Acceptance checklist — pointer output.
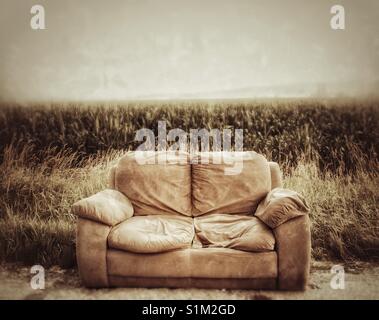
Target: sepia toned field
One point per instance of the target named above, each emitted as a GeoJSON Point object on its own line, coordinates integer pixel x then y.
{"type": "Point", "coordinates": [53, 155]}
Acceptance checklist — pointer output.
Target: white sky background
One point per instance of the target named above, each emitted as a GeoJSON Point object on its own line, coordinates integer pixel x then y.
{"type": "Point", "coordinates": [131, 49]}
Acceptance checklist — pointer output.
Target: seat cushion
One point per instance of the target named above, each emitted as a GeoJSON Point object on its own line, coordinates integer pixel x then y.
{"type": "Point", "coordinates": [155, 187]}
{"type": "Point", "coordinates": [152, 234]}
{"type": "Point", "coordinates": [236, 185]}
{"type": "Point", "coordinates": [241, 232]}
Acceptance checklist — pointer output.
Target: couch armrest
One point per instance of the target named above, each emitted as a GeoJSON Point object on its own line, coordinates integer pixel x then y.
{"type": "Point", "coordinates": [91, 252]}
{"type": "Point", "coordinates": [293, 246]}
{"type": "Point", "coordinates": [109, 207]}
{"type": "Point", "coordinates": [286, 213]}
{"type": "Point", "coordinates": [279, 206]}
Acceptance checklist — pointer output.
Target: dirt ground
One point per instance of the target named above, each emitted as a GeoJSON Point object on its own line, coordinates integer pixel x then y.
{"type": "Point", "coordinates": [361, 282]}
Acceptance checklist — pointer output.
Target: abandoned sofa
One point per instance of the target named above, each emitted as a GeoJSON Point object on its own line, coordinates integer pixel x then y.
{"type": "Point", "coordinates": [191, 224]}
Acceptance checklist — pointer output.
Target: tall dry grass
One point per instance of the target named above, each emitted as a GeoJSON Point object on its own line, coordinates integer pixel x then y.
{"type": "Point", "coordinates": [36, 225]}
{"type": "Point", "coordinates": [344, 211]}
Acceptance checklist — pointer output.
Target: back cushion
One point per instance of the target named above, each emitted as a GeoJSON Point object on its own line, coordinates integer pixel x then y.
{"type": "Point", "coordinates": [276, 175]}
{"type": "Point", "coordinates": [229, 187]}
{"type": "Point", "coordinates": [155, 188]}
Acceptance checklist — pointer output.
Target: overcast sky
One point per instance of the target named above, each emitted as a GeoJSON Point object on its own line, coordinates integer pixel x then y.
{"type": "Point", "coordinates": [130, 49]}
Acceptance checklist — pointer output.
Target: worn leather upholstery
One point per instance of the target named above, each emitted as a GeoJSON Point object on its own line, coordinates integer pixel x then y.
{"type": "Point", "coordinates": [293, 241]}
{"type": "Point", "coordinates": [108, 206]}
{"type": "Point", "coordinates": [154, 187]}
{"type": "Point", "coordinates": [175, 263]}
{"type": "Point", "coordinates": [123, 241]}
{"type": "Point", "coordinates": [91, 252]}
{"type": "Point", "coordinates": [152, 234]}
{"type": "Point", "coordinates": [199, 283]}
{"type": "Point", "coordinates": [211, 186]}
{"type": "Point", "coordinates": [195, 263]}
{"type": "Point", "coordinates": [276, 175]}
{"type": "Point", "coordinates": [241, 232]}
{"type": "Point", "coordinates": [281, 205]}
{"type": "Point", "coordinates": [230, 263]}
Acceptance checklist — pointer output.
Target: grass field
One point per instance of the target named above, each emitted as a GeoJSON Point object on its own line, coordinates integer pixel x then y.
{"type": "Point", "coordinates": [53, 155]}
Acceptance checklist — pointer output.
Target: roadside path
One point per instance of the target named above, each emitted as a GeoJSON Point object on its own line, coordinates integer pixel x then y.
{"type": "Point", "coordinates": [361, 282]}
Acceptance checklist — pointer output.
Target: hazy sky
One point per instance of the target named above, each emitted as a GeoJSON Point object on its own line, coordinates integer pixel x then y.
{"type": "Point", "coordinates": [128, 49]}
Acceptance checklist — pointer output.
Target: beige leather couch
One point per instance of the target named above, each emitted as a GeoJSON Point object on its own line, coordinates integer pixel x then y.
{"type": "Point", "coordinates": [189, 224]}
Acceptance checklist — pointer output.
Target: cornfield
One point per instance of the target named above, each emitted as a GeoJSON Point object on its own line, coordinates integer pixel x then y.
{"type": "Point", "coordinates": [338, 135]}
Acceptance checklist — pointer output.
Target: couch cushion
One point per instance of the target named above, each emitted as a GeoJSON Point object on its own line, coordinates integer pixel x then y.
{"type": "Point", "coordinates": [239, 232]}
{"type": "Point", "coordinates": [276, 175]}
{"type": "Point", "coordinates": [153, 187]}
{"type": "Point", "coordinates": [226, 187]}
{"type": "Point", "coordinates": [151, 234]}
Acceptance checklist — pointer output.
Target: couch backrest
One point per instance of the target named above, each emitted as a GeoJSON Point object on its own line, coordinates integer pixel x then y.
{"type": "Point", "coordinates": [155, 188]}
{"type": "Point", "coordinates": [236, 185]}
{"type": "Point", "coordinates": [276, 175]}
{"type": "Point", "coordinates": [193, 186]}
